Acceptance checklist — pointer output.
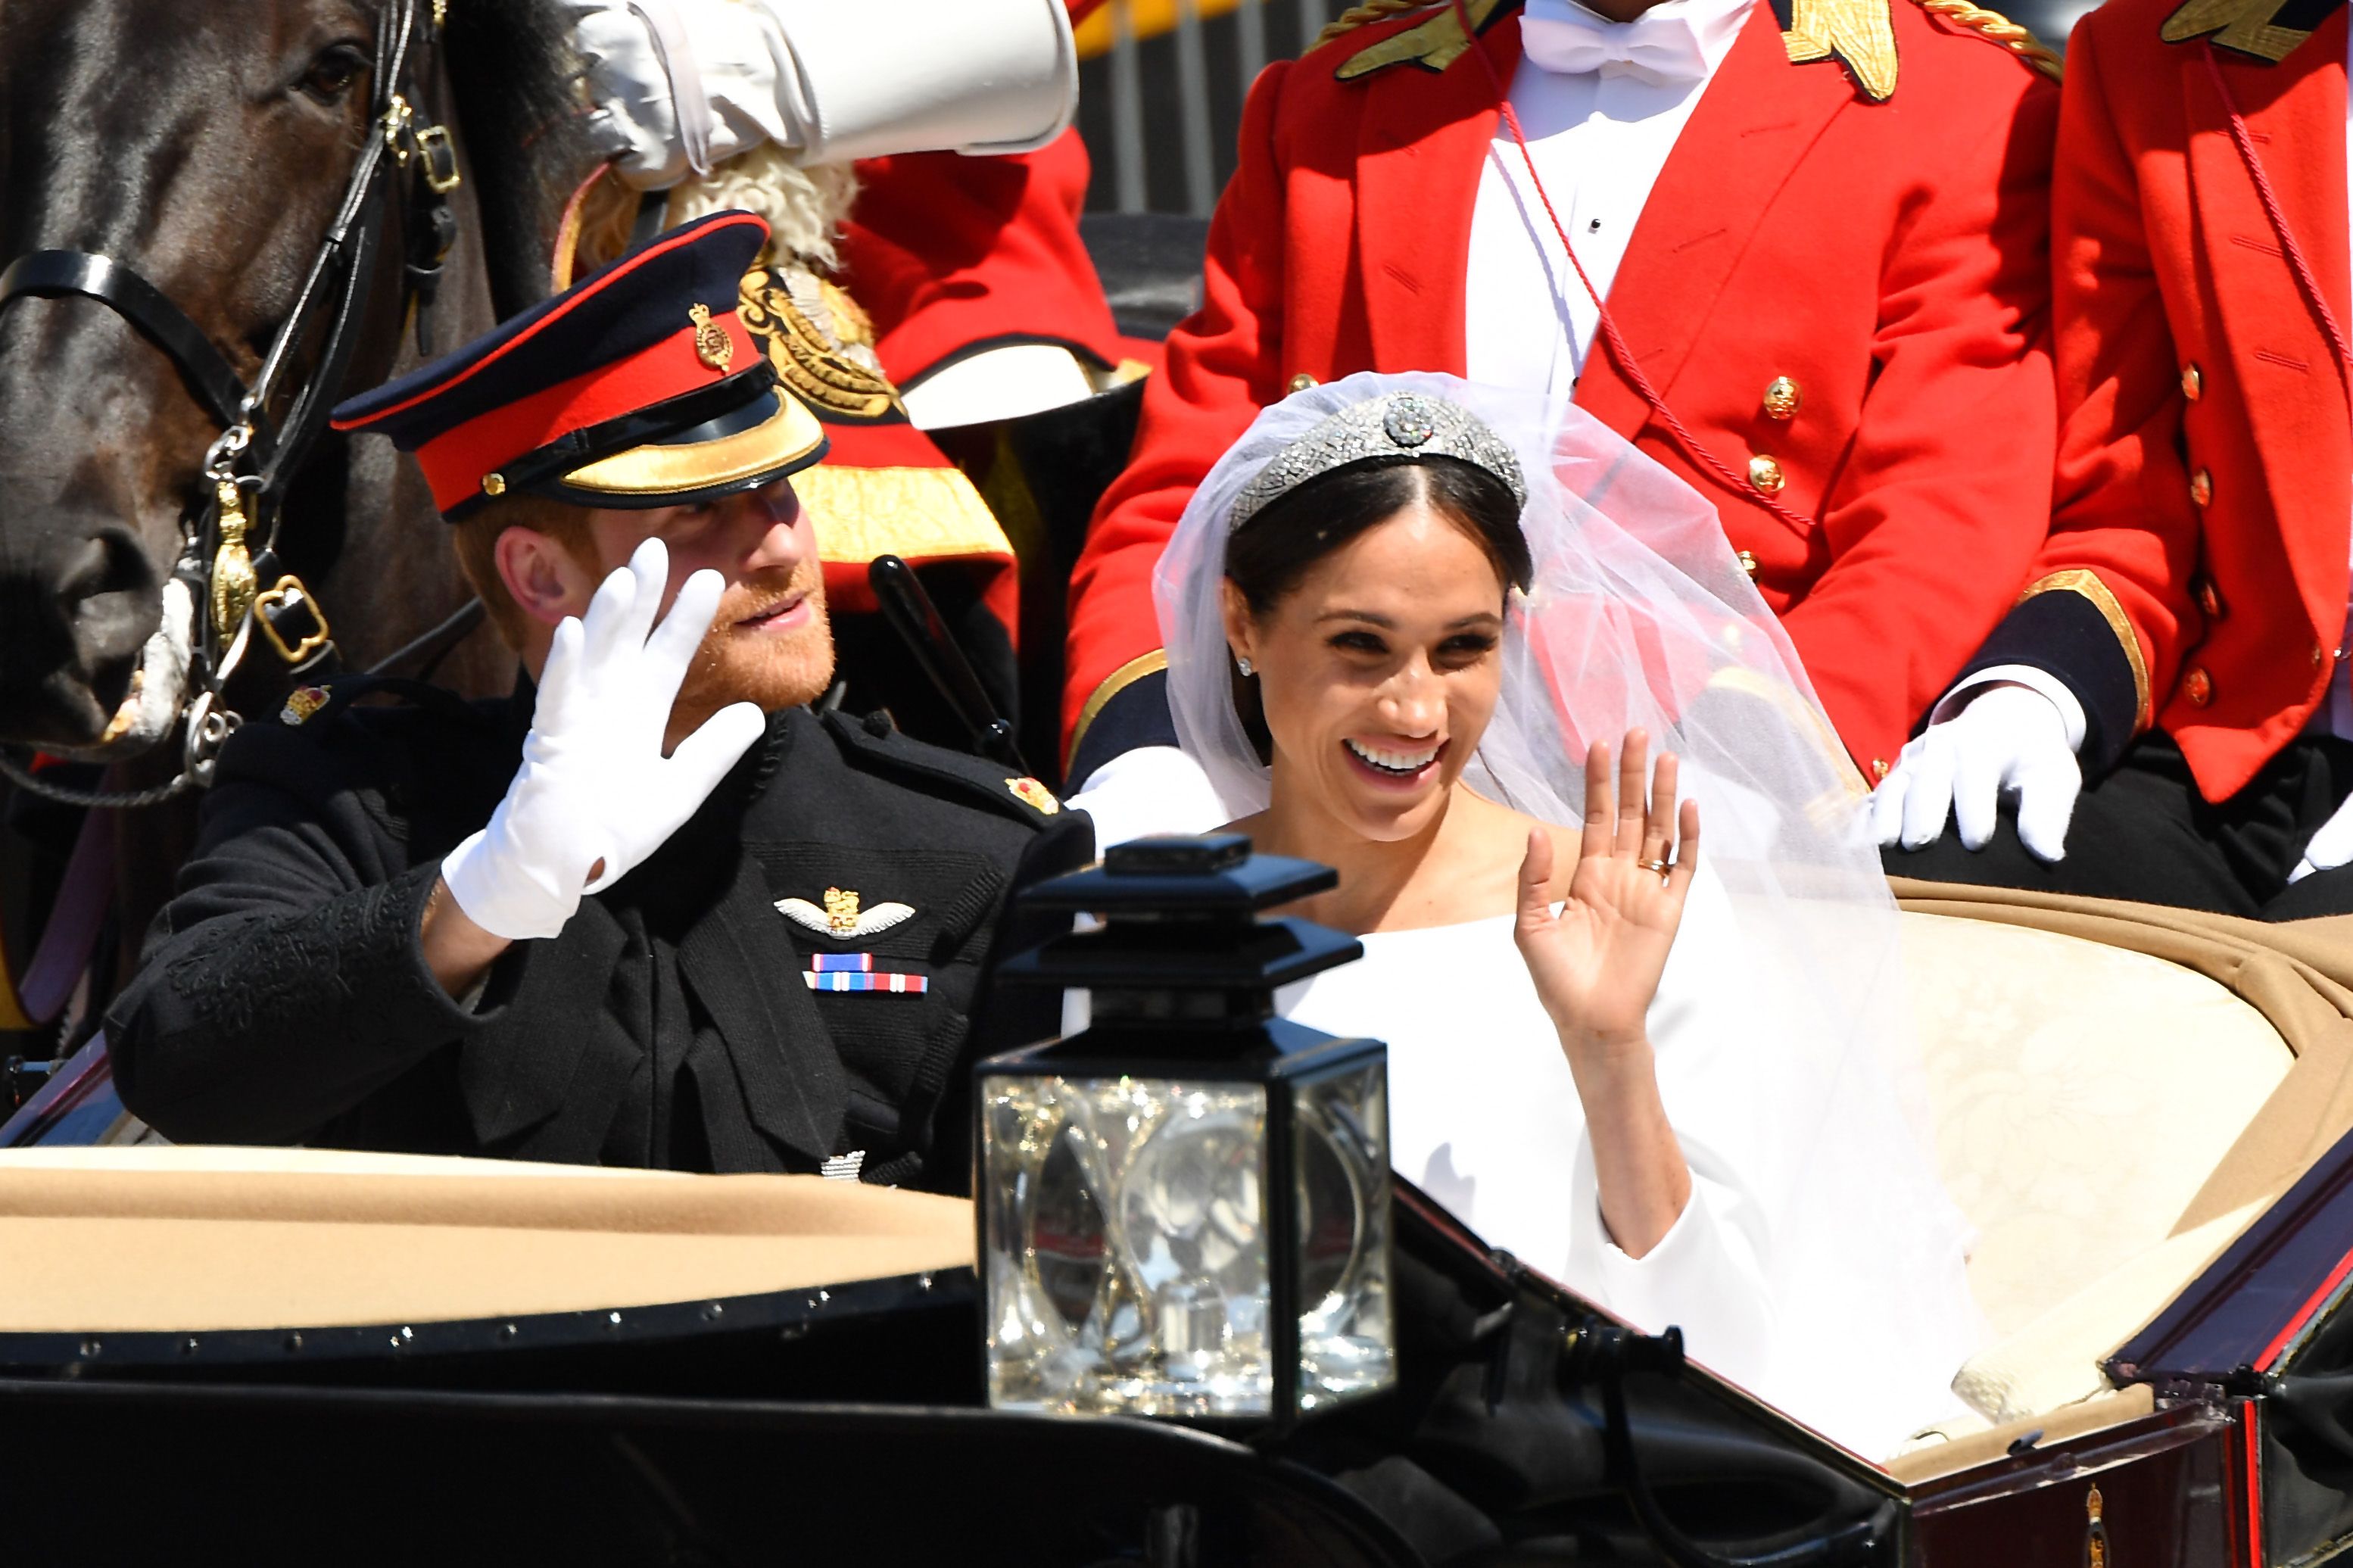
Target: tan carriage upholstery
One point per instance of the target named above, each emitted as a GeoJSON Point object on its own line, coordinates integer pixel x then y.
{"type": "Point", "coordinates": [2048, 1061]}
{"type": "Point", "coordinates": [189, 1238]}
{"type": "Point", "coordinates": [2116, 1090]}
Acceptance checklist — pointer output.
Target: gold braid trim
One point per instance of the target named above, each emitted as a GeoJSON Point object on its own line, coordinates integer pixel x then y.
{"type": "Point", "coordinates": [2250, 27]}
{"type": "Point", "coordinates": [1434, 43]}
{"type": "Point", "coordinates": [2089, 585]}
{"type": "Point", "coordinates": [1117, 681]}
{"type": "Point", "coordinates": [1348, 21]}
{"type": "Point", "coordinates": [1998, 28]}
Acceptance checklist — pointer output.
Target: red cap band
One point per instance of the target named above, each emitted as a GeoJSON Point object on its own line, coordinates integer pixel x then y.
{"type": "Point", "coordinates": [456, 461]}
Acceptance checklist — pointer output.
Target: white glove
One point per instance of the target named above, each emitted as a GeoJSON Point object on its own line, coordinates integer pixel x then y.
{"type": "Point", "coordinates": [2012, 739]}
{"type": "Point", "coordinates": [2330, 847]}
{"type": "Point", "coordinates": [688, 84]}
{"type": "Point", "coordinates": [593, 784]}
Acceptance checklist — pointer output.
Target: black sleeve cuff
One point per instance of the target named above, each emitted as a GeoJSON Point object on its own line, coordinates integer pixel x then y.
{"type": "Point", "coordinates": [255, 1027]}
{"type": "Point", "coordinates": [1137, 715]}
{"type": "Point", "coordinates": [2066, 634]}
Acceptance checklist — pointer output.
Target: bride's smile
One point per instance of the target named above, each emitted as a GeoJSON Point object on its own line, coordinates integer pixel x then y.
{"type": "Point", "coordinates": [1393, 765]}
{"type": "Point", "coordinates": [1378, 670]}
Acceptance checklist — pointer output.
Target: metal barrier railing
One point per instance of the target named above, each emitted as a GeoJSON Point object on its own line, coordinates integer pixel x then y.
{"type": "Point", "coordinates": [1162, 89]}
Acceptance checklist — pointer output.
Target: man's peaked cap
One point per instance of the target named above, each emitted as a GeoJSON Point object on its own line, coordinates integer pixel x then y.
{"type": "Point", "coordinates": [636, 387]}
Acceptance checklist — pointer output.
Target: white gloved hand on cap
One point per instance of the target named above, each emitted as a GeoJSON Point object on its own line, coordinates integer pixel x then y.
{"type": "Point", "coordinates": [2008, 740]}
{"type": "Point", "coordinates": [593, 784]}
{"type": "Point", "coordinates": [2330, 847]}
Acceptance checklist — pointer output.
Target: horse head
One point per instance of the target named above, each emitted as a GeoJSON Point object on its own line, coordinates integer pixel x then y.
{"type": "Point", "coordinates": [207, 150]}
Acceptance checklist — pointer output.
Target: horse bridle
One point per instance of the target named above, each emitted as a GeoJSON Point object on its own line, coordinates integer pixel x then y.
{"type": "Point", "coordinates": [246, 471]}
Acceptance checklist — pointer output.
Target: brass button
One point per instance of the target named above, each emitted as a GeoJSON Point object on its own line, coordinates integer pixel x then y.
{"type": "Point", "coordinates": [2196, 685]}
{"type": "Point", "coordinates": [1301, 382]}
{"type": "Point", "coordinates": [2193, 383]}
{"type": "Point", "coordinates": [495, 484]}
{"type": "Point", "coordinates": [1782, 398]}
{"type": "Point", "coordinates": [2202, 488]}
{"type": "Point", "coordinates": [2210, 599]}
{"type": "Point", "coordinates": [1747, 561]}
{"type": "Point", "coordinates": [1879, 769]}
{"type": "Point", "coordinates": [1767, 475]}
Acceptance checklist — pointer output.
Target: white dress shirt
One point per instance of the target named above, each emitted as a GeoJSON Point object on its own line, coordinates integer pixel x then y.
{"type": "Point", "coordinates": [1598, 139]}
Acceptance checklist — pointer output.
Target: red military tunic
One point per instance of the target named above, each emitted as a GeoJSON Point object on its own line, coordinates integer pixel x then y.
{"type": "Point", "coordinates": [2205, 476]}
{"type": "Point", "coordinates": [1889, 258]}
{"type": "Point", "coordinates": [951, 254]}
{"type": "Point", "coordinates": [947, 256]}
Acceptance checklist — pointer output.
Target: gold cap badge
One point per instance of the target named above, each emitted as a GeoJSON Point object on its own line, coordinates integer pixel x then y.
{"type": "Point", "coordinates": [1032, 794]}
{"type": "Point", "coordinates": [713, 346]}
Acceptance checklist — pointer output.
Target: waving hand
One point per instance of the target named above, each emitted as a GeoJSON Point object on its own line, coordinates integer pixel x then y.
{"type": "Point", "coordinates": [1597, 962]}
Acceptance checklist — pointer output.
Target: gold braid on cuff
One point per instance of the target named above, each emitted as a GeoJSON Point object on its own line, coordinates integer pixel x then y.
{"type": "Point", "coordinates": [2104, 600]}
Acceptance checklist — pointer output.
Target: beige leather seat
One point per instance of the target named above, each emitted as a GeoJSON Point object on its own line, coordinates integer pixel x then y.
{"type": "Point", "coordinates": [188, 1239]}
{"type": "Point", "coordinates": [2082, 1094]}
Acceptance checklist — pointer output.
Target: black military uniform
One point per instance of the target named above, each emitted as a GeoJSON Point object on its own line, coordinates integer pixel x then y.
{"type": "Point", "coordinates": [792, 981]}
{"type": "Point", "coordinates": [674, 1023]}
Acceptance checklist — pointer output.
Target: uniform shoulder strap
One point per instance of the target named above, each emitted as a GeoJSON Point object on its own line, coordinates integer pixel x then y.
{"type": "Point", "coordinates": [1997, 28]}
{"type": "Point", "coordinates": [1355, 16]}
{"type": "Point", "coordinates": [875, 743]}
{"type": "Point", "coordinates": [1433, 43]}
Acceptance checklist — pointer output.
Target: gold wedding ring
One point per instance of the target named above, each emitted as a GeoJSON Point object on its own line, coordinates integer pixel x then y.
{"type": "Point", "coordinates": [1661, 866]}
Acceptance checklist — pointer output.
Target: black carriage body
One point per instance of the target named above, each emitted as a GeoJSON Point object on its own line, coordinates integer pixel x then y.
{"type": "Point", "coordinates": [850, 1418]}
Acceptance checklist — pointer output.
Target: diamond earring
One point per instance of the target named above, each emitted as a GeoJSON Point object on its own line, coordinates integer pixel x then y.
{"type": "Point", "coordinates": [1246, 667]}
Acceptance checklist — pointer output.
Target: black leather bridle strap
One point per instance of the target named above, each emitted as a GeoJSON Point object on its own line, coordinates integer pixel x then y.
{"type": "Point", "coordinates": [53, 274]}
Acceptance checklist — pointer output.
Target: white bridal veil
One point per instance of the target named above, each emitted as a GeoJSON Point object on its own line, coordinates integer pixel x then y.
{"type": "Point", "coordinates": [1640, 615]}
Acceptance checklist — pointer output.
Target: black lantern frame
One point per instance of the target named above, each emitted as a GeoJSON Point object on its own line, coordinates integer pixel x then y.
{"type": "Point", "coordinates": [1182, 975]}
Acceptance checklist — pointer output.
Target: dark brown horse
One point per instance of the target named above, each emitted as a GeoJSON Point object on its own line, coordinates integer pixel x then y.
{"type": "Point", "coordinates": [207, 149]}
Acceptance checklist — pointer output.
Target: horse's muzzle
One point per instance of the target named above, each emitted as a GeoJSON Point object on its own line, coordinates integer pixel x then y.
{"type": "Point", "coordinates": [76, 605]}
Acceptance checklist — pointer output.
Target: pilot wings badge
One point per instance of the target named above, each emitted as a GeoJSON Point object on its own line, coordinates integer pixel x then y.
{"type": "Point", "coordinates": [841, 918]}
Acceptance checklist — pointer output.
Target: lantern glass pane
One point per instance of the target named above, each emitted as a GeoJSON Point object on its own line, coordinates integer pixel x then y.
{"type": "Point", "coordinates": [1347, 1338]}
{"type": "Point", "coordinates": [1128, 1267]}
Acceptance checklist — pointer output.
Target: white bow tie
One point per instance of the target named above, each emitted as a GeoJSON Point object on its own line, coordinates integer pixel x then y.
{"type": "Point", "coordinates": [1569, 40]}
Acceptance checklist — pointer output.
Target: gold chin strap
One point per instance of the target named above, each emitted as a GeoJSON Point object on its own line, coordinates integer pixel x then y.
{"type": "Point", "coordinates": [1995, 27]}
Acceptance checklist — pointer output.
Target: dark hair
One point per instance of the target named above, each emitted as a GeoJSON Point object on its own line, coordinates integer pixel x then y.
{"type": "Point", "coordinates": [1267, 556]}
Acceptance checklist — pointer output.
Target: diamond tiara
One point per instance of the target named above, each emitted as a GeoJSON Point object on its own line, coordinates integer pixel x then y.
{"type": "Point", "coordinates": [1395, 425]}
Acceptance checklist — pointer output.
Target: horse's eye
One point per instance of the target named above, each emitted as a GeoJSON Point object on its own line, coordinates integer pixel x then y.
{"type": "Point", "coordinates": [331, 74]}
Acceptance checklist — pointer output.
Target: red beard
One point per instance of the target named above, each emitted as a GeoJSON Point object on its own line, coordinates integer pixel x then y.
{"type": "Point", "coordinates": [739, 663]}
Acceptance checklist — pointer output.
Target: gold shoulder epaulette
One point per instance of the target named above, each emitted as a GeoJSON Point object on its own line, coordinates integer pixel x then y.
{"type": "Point", "coordinates": [1348, 21]}
{"type": "Point", "coordinates": [2250, 27]}
{"type": "Point", "coordinates": [1995, 27]}
{"type": "Point", "coordinates": [1433, 45]}
{"type": "Point", "coordinates": [1859, 34]}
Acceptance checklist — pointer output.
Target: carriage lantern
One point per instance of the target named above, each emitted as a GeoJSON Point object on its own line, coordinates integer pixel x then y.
{"type": "Point", "coordinates": [1183, 1209]}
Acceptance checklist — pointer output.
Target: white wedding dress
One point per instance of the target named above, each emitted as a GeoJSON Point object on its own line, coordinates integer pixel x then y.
{"type": "Point", "coordinates": [1819, 1263]}
{"type": "Point", "coordinates": [1485, 1117]}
